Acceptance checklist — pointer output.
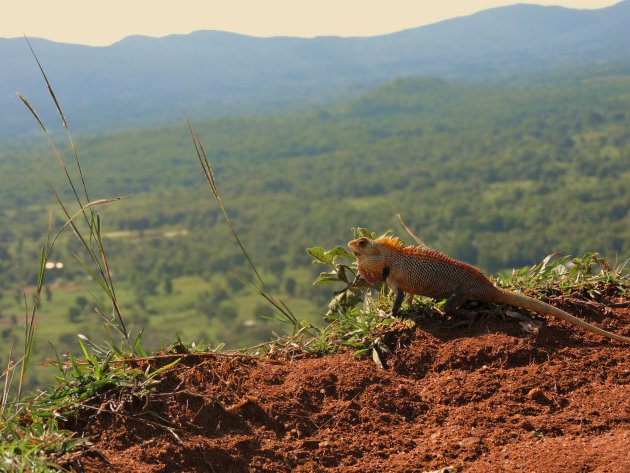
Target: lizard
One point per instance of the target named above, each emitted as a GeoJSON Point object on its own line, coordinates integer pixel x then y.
{"type": "Point", "coordinates": [417, 270]}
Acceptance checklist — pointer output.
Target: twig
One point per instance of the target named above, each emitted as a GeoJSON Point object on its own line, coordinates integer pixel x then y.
{"type": "Point", "coordinates": [418, 241]}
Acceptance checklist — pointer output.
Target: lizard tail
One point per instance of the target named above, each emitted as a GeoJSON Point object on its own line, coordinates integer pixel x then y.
{"type": "Point", "coordinates": [520, 300]}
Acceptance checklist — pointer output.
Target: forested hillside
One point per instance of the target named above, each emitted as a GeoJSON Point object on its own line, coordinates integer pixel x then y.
{"type": "Point", "coordinates": [498, 178]}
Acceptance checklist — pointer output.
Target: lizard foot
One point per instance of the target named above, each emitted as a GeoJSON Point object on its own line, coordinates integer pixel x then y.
{"type": "Point", "coordinates": [465, 318]}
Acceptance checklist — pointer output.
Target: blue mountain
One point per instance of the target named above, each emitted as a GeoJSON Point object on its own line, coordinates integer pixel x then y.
{"type": "Point", "coordinates": [143, 81]}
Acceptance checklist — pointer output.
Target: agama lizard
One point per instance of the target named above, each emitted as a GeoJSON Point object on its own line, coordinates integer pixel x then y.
{"type": "Point", "coordinates": [422, 271]}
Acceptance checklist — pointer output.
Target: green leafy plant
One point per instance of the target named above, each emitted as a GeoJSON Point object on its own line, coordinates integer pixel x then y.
{"type": "Point", "coordinates": [340, 272]}
{"type": "Point", "coordinates": [358, 328]}
{"type": "Point", "coordinates": [588, 276]}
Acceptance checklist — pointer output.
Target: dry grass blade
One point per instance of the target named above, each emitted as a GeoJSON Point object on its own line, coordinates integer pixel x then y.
{"type": "Point", "coordinates": [55, 150]}
{"type": "Point", "coordinates": [70, 219]}
{"type": "Point", "coordinates": [89, 205]}
{"type": "Point", "coordinates": [8, 376]}
{"type": "Point", "coordinates": [163, 356]}
{"type": "Point", "coordinates": [29, 334]}
{"type": "Point", "coordinates": [32, 110]}
{"type": "Point", "coordinates": [50, 89]}
{"type": "Point", "coordinates": [418, 241]}
{"type": "Point", "coordinates": [207, 170]}
{"type": "Point", "coordinates": [106, 283]}
{"type": "Point", "coordinates": [44, 129]}
{"type": "Point", "coordinates": [63, 120]}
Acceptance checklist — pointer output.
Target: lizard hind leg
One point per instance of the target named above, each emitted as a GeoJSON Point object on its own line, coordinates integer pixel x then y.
{"type": "Point", "coordinates": [453, 306]}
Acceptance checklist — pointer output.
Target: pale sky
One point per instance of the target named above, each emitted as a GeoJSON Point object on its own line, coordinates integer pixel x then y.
{"type": "Point", "coordinates": [97, 22]}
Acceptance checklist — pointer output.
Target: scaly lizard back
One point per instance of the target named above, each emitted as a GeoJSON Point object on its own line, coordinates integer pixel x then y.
{"type": "Point", "coordinates": [422, 271]}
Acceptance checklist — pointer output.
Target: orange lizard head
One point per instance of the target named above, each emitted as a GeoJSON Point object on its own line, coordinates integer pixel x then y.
{"type": "Point", "coordinates": [370, 258]}
{"type": "Point", "coordinates": [364, 247]}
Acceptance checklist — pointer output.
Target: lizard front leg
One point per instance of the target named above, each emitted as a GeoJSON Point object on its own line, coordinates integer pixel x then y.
{"type": "Point", "coordinates": [400, 296]}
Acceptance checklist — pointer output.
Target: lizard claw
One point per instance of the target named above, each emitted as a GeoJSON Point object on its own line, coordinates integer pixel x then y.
{"type": "Point", "coordinates": [466, 318]}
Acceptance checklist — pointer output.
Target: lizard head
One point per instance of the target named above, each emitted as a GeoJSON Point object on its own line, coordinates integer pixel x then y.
{"type": "Point", "coordinates": [370, 258]}
{"type": "Point", "coordinates": [364, 247]}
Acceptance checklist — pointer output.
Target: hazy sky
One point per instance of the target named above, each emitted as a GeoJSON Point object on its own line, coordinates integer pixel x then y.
{"type": "Point", "coordinates": [101, 22]}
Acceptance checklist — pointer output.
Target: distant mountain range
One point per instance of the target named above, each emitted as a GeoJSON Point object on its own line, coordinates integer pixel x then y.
{"type": "Point", "coordinates": [143, 81]}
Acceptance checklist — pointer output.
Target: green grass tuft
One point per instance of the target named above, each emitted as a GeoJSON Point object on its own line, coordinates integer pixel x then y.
{"type": "Point", "coordinates": [589, 276]}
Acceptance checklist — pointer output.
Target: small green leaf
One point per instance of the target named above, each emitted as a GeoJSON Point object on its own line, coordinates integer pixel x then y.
{"type": "Point", "coordinates": [163, 368]}
{"type": "Point", "coordinates": [320, 255]}
{"type": "Point", "coordinates": [326, 278]}
{"type": "Point", "coordinates": [363, 232]}
{"type": "Point", "coordinates": [339, 251]}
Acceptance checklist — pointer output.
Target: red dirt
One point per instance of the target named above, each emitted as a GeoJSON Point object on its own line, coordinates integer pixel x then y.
{"type": "Point", "coordinates": [487, 398]}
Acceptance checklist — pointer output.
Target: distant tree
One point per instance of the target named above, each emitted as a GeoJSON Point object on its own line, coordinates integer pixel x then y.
{"type": "Point", "coordinates": [205, 305]}
{"type": "Point", "coordinates": [227, 310]}
{"type": "Point", "coordinates": [263, 310]}
{"type": "Point", "coordinates": [276, 266]}
{"type": "Point", "coordinates": [234, 284]}
{"type": "Point", "coordinates": [74, 314]}
{"type": "Point", "coordinates": [168, 285]}
{"type": "Point", "coordinates": [209, 301]}
{"type": "Point", "coordinates": [141, 299]}
{"type": "Point", "coordinates": [81, 302]}
{"type": "Point", "coordinates": [290, 286]}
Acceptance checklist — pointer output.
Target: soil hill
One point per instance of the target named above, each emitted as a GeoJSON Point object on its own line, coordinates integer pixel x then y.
{"type": "Point", "coordinates": [488, 397]}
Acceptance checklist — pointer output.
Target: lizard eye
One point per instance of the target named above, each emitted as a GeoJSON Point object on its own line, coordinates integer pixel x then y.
{"type": "Point", "coordinates": [363, 242]}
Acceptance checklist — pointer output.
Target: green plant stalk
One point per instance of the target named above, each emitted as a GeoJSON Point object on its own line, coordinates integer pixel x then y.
{"type": "Point", "coordinates": [286, 315]}
{"type": "Point", "coordinates": [94, 229]}
{"type": "Point", "coordinates": [207, 170]}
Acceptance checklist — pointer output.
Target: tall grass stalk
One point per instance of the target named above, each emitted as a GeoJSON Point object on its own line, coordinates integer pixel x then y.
{"type": "Point", "coordinates": [280, 308]}
{"type": "Point", "coordinates": [212, 183]}
{"type": "Point", "coordinates": [92, 242]}
{"type": "Point", "coordinates": [90, 239]}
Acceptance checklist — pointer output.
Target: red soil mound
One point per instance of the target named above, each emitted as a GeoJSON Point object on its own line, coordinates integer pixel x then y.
{"type": "Point", "coordinates": [483, 398]}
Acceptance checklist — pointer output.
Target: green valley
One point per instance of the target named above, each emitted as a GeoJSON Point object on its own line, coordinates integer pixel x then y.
{"type": "Point", "coordinates": [497, 177]}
